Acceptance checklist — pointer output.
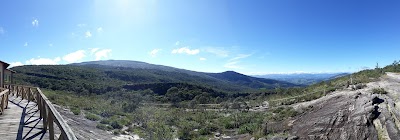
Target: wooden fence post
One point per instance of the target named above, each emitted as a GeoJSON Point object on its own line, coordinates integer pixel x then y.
{"type": "Point", "coordinates": [51, 125]}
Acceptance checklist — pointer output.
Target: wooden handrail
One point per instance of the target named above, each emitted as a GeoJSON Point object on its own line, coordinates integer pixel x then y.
{"type": "Point", "coordinates": [3, 100]}
{"type": "Point", "coordinates": [47, 111]}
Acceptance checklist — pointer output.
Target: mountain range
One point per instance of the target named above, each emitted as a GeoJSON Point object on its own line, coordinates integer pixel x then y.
{"type": "Point", "coordinates": [303, 78]}
{"type": "Point", "coordinates": [105, 76]}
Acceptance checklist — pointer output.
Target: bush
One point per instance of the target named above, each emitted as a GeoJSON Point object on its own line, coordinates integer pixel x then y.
{"type": "Point", "coordinates": [76, 110]}
{"type": "Point", "coordinates": [207, 130]}
{"type": "Point", "coordinates": [117, 132]}
{"type": "Point", "coordinates": [283, 113]}
{"type": "Point", "coordinates": [105, 121]}
{"type": "Point", "coordinates": [104, 127]}
{"type": "Point", "coordinates": [379, 91]}
{"type": "Point", "coordinates": [116, 125]}
{"type": "Point", "coordinates": [92, 117]}
{"type": "Point", "coordinates": [248, 128]}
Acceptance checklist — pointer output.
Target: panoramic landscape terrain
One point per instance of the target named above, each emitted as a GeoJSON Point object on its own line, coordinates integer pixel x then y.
{"type": "Point", "coordinates": [129, 99]}
{"type": "Point", "coordinates": [200, 70]}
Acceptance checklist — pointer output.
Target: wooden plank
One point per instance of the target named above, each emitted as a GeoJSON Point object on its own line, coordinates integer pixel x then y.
{"type": "Point", "coordinates": [21, 121]}
{"type": "Point", "coordinates": [41, 112]}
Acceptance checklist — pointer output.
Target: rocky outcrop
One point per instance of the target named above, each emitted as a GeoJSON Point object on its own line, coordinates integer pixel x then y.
{"type": "Point", "coordinates": [349, 114]}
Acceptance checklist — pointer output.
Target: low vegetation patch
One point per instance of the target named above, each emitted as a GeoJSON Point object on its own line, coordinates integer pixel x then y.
{"type": "Point", "coordinates": [92, 117]}
{"type": "Point", "coordinates": [184, 111]}
{"type": "Point", "coordinates": [379, 91]}
{"type": "Point", "coordinates": [76, 110]}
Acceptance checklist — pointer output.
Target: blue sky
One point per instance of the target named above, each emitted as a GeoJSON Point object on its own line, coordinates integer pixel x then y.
{"type": "Point", "coordinates": [251, 37]}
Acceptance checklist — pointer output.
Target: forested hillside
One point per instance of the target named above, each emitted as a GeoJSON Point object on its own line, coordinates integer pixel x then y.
{"type": "Point", "coordinates": [101, 77]}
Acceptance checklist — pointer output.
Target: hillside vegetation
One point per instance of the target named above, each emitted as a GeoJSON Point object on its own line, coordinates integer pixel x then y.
{"type": "Point", "coordinates": [166, 103]}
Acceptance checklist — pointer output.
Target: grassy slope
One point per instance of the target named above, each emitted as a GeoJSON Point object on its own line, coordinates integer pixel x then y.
{"type": "Point", "coordinates": [155, 122]}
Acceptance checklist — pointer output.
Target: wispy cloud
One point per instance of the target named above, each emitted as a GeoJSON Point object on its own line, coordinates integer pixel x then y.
{"type": "Point", "coordinates": [177, 43]}
{"type": "Point", "coordinates": [105, 53]}
{"type": "Point", "coordinates": [88, 34]}
{"type": "Point", "coordinates": [35, 23]}
{"type": "Point", "coordinates": [2, 31]}
{"type": "Point", "coordinates": [233, 62]}
{"type": "Point", "coordinates": [50, 44]}
{"type": "Point", "coordinates": [154, 52]}
{"type": "Point", "coordinates": [233, 65]}
{"type": "Point", "coordinates": [218, 51]}
{"type": "Point", "coordinates": [15, 64]}
{"type": "Point", "coordinates": [202, 59]}
{"type": "Point", "coordinates": [185, 50]}
{"type": "Point", "coordinates": [81, 25]}
{"type": "Point", "coordinates": [43, 61]}
{"type": "Point", "coordinates": [93, 50]}
{"type": "Point", "coordinates": [26, 44]}
{"type": "Point", "coordinates": [100, 30]}
{"type": "Point", "coordinates": [74, 56]}
{"type": "Point", "coordinates": [240, 56]}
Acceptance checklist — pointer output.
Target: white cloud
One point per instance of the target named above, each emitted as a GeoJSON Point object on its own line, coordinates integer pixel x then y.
{"type": "Point", "coordinates": [43, 61]}
{"type": "Point", "coordinates": [240, 56]}
{"type": "Point", "coordinates": [233, 65]}
{"type": "Point", "coordinates": [26, 44]}
{"type": "Point", "coordinates": [221, 52]}
{"type": "Point", "coordinates": [81, 25]}
{"type": "Point", "coordinates": [93, 50]}
{"type": "Point", "coordinates": [202, 59]}
{"type": "Point", "coordinates": [102, 54]}
{"type": "Point", "coordinates": [88, 34]}
{"type": "Point", "coordinates": [100, 30]}
{"type": "Point", "coordinates": [15, 64]}
{"type": "Point", "coordinates": [75, 56]}
{"type": "Point", "coordinates": [51, 45]}
{"type": "Point", "coordinates": [2, 31]}
{"type": "Point", "coordinates": [154, 52]}
{"type": "Point", "coordinates": [177, 43]}
{"type": "Point", "coordinates": [185, 50]}
{"type": "Point", "coordinates": [35, 23]}
{"type": "Point", "coordinates": [233, 62]}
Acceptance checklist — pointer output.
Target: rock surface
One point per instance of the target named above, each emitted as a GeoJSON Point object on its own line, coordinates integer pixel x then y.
{"type": "Point", "coordinates": [352, 114]}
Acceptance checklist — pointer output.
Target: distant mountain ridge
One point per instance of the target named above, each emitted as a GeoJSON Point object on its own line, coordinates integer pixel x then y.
{"type": "Point", "coordinates": [231, 77]}
{"type": "Point", "coordinates": [303, 78]}
{"type": "Point", "coordinates": [106, 76]}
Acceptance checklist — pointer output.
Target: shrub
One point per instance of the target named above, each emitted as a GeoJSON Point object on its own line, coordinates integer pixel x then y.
{"type": "Point", "coordinates": [207, 130]}
{"type": "Point", "coordinates": [104, 127]}
{"type": "Point", "coordinates": [116, 125]}
{"type": "Point", "coordinates": [76, 110]}
{"type": "Point", "coordinates": [117, 132]}
{"type": "Point", "coordinates": [247, 128]}
{"type": "Point", "coordinates": [379, 91]}
{"type": "Point", "coordinates": [283, 113]}
{"type": "Point", "coordinates": [92, 117]}
{"type": "Point", "coordinates": [105, 121]}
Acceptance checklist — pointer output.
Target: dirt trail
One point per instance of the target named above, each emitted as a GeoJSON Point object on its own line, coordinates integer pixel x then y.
{"type": "Point", "coordinates": [348, 114]}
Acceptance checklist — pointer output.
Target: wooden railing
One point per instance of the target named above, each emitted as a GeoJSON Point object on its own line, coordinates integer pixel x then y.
{"type": "Point", "coordinates": [3, 100]}
{"type": "Point", "coordinates": [47, 111]}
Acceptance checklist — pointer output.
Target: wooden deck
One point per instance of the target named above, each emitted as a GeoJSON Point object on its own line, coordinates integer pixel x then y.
{"type": "Point", "coordinates": [21, 120]}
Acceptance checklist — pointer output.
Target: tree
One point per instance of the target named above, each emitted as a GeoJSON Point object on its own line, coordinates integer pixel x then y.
{"type": "Point", "coordinates": [377, 65]}
{"type": "Point", "coordinates": [173, 95]}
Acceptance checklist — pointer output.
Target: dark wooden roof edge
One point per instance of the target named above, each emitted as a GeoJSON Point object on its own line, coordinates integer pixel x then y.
{"type": "Point", "coordinates": [6, 64]}
{"type": "Point", "coordinates": [11, 71]}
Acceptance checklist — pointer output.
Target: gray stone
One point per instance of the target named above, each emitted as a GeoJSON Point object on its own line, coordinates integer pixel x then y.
{"type": "Point", "coordinates": [293, 138]}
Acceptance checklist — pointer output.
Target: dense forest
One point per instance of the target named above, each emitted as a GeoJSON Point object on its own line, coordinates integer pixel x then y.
{"type": "Point", "coordinates": [165, 104]}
